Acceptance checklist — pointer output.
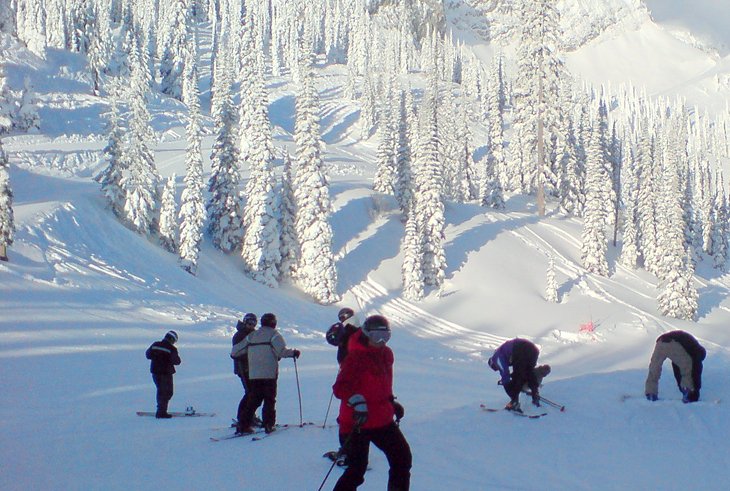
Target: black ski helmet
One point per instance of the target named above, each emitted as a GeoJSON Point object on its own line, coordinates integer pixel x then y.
{"type": "Point", "coordinates": [250, 318]}
{"type": "Point", "coordinates": [268, 320]}
{"type": "Point", "coordinates": [345, 313]}
{"type": "Point", "coordinates": [171, 336]}
{"type": "Point", "coordinates": [377, 329]}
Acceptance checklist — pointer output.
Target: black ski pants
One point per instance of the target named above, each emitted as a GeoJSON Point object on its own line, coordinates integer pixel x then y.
{"type": "Point", "coordinates": [391, 441]}
{"type": "Point", "coordinates": [260, 390]}
{"type": "Point", "coordinates": [241, 405]}
{"type": "Point", "coordinates": [165, 389]}
{"type": "Point", "coordinates": [524, 359]}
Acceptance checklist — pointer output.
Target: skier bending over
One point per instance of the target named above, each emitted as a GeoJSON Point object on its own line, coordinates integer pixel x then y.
{"type": "Point", "coordinates": [686, 355]}
{"type": "Point", "coordinates": [163, 357]}
{"type": "Point", "coordinates": [368, 407]}
{"type": "Point", "coordinates": [264, 348]}
{"type": "Point", "coordinates": [521, 355]}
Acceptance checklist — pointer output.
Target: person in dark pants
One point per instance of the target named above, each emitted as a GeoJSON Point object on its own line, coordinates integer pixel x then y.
{"type": "Point", "coordinates": [163, 357]}
{"type": "Point", "coordinates": [369, 412]}
{"type": "Point", "coordinates": [240, 365]}
{"type": "Point", "coordinates": [264, 348]}
{"type": "Point", "coordinates": [686, 354]}
{"type": "Point", "coordinates": [521, 355]}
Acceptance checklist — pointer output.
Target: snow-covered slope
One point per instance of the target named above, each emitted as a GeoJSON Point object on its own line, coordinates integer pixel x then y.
{"type": "Point", "coordinates": [82, 298]}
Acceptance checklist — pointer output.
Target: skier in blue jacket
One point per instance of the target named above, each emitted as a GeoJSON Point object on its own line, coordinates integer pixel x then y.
{"type": "Point", "coordinates": [521, 355]}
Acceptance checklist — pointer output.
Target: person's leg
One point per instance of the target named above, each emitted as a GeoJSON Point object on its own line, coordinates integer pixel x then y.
{"type": "Point", "coordinates": [253, 401]}
{"type": "Point", "coordinates": [396, 449]}
{"type": "Point", "coordinates": [651, 386]}
{"type": "Point", "coordinates": [268, 413]}
{"type": "Point", "coordinates": [357, 449]}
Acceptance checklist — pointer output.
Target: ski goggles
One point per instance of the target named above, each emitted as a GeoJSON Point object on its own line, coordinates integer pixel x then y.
{"type": "Point", "coordinates": [378, 335]}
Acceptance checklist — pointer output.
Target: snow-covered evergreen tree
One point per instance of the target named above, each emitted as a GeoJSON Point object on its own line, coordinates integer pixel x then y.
{"type": "Point", "coordinates": [648, 177]}
{"type": "Point", "coordinates": [8, 103]}
{"type": "Point", "coordinates": [385, 176]}
{"type": "Point", "coordinates": [677, 295]}
{"type": "Point", "coordinates": [412, 269]}
{"type": "Point", "coordinates": [551, 287]}
{"type": "Point", "coordinates": [140, 179]}
{"type": "Point", "coordinates": [27, 116]}
{"type": "Point", "coordinates": [316, 271]}
{"type": "Point", "coordinates": [111, 177]}
{"type": "Point", "coordinates": [404, 172]}
{"type": "Point", "coordinates": [289, 243]}
{"type": "Point", "coordinates": [630, 240]}
{"type": "Point", "coordinates": [176, 50]}
{"type": "Point", "coordinates": [168, 216]}
{"type": "Point", "coordinates": [7, 222]}
{"type": "Point", "coordinates": [192, 208]}
{"type": "Point", "coordinates": [720, 228]}
{"type": "Point", "coordinates": [260, 248]}
{"type": "Point", "coordinates": [594, 241]}
{"type": "Point", "coordinates": [225, 224]}
{"type": "Point", "coordinates": [429, 204]}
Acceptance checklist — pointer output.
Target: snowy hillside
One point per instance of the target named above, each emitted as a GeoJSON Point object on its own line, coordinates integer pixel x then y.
{"type": "Point", "coordinates": [83, 296]}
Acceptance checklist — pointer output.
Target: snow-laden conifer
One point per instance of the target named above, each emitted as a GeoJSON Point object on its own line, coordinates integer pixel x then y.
{"type": "Point", "coordinates": [385, 175]}
{"type": "Point", "coordinates": [412, 269]}
{"type": "Point", "coordinates": [111, 177]}
{"type": "Point", "coordinates": [629, 244]}
{"type": "Point", "coordinates": [316, 271]}
{"type": "Point", "coordinates": [260, 246]}
{"type": "Point", "coordinates": [429, 204]}
{"type": "Point", "coordinates": [404, 172]}
{"type": "Point", "coordinates": [176, 51]}
{"type": "Point", "coordinates": [551, 286]}
{"type": "Point", "coordinates": [224, 204]}
{"type": "Point", "coordinates": [594, 241]}
{"type": "Point", "coordinates": [289, 243]}
{"type": "Point", "coordinates": [168, 216]}
{"type": "Point", "coordinates": [192, 208]}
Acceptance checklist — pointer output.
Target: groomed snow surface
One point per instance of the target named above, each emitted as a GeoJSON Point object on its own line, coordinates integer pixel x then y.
{"type": "Point", "coordinates": [83, 297]}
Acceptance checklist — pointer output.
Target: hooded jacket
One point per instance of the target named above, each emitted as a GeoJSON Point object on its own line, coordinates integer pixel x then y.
{"type": "Point", "coordinates": [367, 371]}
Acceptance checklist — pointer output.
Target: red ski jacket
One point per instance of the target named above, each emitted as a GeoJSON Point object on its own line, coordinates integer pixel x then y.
{"type": "Point", "coordinates": [367, 371]}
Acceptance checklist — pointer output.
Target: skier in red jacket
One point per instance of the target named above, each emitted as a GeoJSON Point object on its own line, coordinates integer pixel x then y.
{"type": "Point", "coordinates": [368, 407]}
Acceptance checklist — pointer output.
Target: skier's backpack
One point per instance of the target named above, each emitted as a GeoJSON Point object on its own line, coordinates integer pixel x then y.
{"type": "Point", "coordinates": [335, 334]}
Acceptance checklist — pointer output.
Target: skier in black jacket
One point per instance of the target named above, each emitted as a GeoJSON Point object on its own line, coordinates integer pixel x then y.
{"type": "Point", "coordinates": [686, 354]}
{"type": "Point", "coordinates": [240, 365]}
{"type": "Point", "coordinates": [164, 357]}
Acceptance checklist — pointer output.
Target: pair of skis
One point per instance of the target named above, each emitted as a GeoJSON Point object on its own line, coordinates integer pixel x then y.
{"type": "Point", "coordinates": [521, 413]}
{"type": "Point", "coordinates": [259, 433]}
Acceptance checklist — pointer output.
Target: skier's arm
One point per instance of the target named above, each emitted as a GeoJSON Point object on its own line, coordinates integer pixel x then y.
{"type": "Point", "coordinates": [503, 366]}
{"type": "Point", "coordinates": [279, 346]}
{"type": "Point", "coordinates": [175, 357]}
{"type": "Point", "coordinates": [240, 349]}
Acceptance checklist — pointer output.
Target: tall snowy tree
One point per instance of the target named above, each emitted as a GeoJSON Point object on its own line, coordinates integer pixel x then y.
{"type": "Point", "coordinates": [176, 51]}
{"type": "Point", "coordinates": [412, 269]}
{"type": "Point", "coordinates": [192, 208]}
{"type": "Point", "coordinates": [594, 240]}
{"type": "Point", "coordinates": [289, 243]}
{"type": "Point", "coordinates": [677, 295]}
{"type": "Point", "coordinates": [537, 93]}
{"type": "Point", "coordinates": [168, 216]}
{"type": "Point", "coordinates": [260, 247]}
{"type": "Point", "coordinates": [429, 204]}
{"type": "Point", "coordinates": [111, 177]}
{"type": "Point", "coordinates": [225, 224]}
{"type": "Point", "coordinates": [630, 240]}
{"type": "Point", "coordinates": [404, 172]}
{"type": "Point", "coordinates": [7, 222]}
{"type": "Point", "coordinates": [385, 176]}
{"type": "Point", "coordinates": [140, 179]}
{"type": "Point", "coordinates": [316, 272]}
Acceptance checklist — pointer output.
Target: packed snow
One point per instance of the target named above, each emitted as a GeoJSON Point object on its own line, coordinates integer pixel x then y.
{"type": "Point", "coordinates": [82, 297]}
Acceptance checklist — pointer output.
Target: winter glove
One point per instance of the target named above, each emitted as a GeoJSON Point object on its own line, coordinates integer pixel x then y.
{"type": "Point", "coordinates": [296, 353]}
{"type": "Point", "coordinates": [357, 402]}
{"type": "Point", "coordinates": [399, 411]}
{"type": "Point", "coordinates": [651, 397]}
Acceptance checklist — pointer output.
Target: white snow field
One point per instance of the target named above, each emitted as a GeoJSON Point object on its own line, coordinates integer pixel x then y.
{"type": "Point", "coordinates": [83, 297]}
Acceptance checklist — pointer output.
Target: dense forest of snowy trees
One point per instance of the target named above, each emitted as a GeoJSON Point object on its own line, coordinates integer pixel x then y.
{"type": "Point", "coordinates": [641, 173]}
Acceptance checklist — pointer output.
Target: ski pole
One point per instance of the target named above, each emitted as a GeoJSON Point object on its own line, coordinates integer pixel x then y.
{"type": "Point", "coordinates": [339, 453]}
{"type": "Point", "coordinates": [299, 393]}
{"type": "Point", "coordinates": [326, 415]}
{"type": "Point", "coordinates": [551, 403]}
